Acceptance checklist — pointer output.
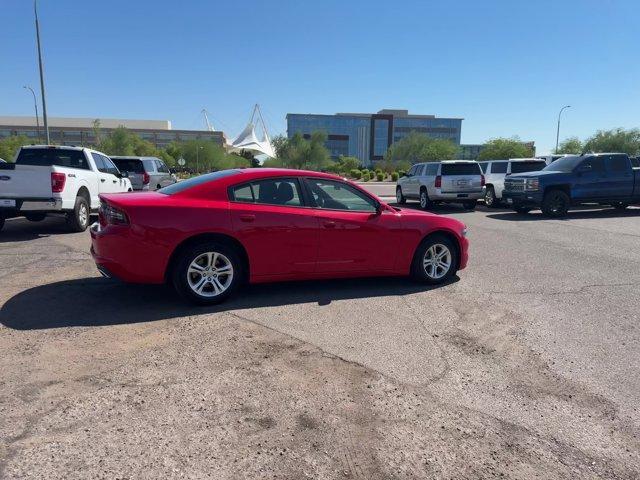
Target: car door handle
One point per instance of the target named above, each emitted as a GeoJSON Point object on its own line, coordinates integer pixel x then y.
{"type": "Point", "coordinates": [247, 217]}
{"type": "Point", "coordinates": [102, 180]}
{"type": "Point", "coordinates": [329, 224]}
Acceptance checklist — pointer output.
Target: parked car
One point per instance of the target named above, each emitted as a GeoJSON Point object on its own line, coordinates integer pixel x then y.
{"type": "Point", "coordinates": [208, 234]}
{"type": "Point", "coordinates": [145, 173]}
{"type": "Point", "coordinates": [603, 178]}
{"type": "Point", "coordinates": [64, 180]}
{"type": "Point", "coordinates": [450, 181]}
{"type": "Point", "coordinates": [549, 159]}
{"type": "Point", "coordinates": [495, 171]}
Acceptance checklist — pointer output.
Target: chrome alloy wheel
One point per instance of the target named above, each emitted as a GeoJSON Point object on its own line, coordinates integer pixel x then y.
{"type": "Point", "coordinates": [83, 215]}
{"type": "Point", "coordinates": [210, 274]}
{"type": "Point", "coordinates": [424, 199]}
{"type": "Point", "coordinates": [437, 261]}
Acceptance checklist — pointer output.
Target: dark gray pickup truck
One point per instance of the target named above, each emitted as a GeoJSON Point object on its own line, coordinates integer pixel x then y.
{"type": "Point", "coordinates": [601, 178]}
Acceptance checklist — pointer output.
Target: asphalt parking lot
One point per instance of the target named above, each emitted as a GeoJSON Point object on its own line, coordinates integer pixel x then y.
{"type": "Point", "coordinates": [526, 366]}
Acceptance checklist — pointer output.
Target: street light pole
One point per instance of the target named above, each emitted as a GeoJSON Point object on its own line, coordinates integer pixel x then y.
{"type": "Point", "coordinates": [44, 102]}
{"type": "Point", "coordinates": [558, 130]}
{"type": "Point", "coordinates": [35, 105]}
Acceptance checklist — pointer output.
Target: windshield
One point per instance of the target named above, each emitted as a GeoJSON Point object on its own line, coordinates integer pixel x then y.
{"type": "Point", "coordinates": [521, 167]}
{"type": "Point", "coordinates": [564, 164]}
{"type": "Point", "coordinates": [194, 181]}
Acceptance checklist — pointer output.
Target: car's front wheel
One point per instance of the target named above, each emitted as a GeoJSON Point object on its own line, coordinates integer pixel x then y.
{"type": "Point", "coordinates": [435, 260]}
{"type": "Point", "coordinates": [620, 206]}
{"type": "Point", "coordinates": [207, 273]}
{"type": "Point", "coordinates": [400, 197]}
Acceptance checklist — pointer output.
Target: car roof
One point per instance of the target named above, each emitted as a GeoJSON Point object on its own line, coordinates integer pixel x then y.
{"type": "Point", "coordinates": [132, 157]}
{"type": "Point", "coordinates": [60, 147]}
{"type": "Point", "coordinates": [284, 172]}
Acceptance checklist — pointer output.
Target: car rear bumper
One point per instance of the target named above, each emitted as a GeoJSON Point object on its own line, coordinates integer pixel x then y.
{"type": "Point", "coordinates": [456, 196]}
{"type": "Point", "coordinates": [521, 199]}
{"type": "Point", "coordinates": [119, 254]}
{"type": "Point", "coordinates": [13, 207]}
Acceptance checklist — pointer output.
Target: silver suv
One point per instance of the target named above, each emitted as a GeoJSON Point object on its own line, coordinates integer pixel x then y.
{"type": "Point", "coordinates": [495, 171]}
{"type": "Point", "coordinates": [145, 173]}
{"type": "Point", "coordinates": [451, 181]}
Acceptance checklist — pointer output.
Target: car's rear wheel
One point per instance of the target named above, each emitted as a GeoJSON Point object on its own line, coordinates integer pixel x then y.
{"type": "Point", "coordinates": [78, 219]}
{"type": "Point", "coordinates": [207, 273]}
{"type": "Point", "coordinates": [424, 199]}
{"type": "Point", "coordinates": [555, 204]}
{"type": "Point", "coordinates": [36, 217]}
{"type": "Point", "coordinates": [435, 260]}
{"type": "Point", "coordinates": [400, 197]}
{"type": "Point", "coordinates": [470, 205]}
{"type": "Point", "coordinates": [490, 199]}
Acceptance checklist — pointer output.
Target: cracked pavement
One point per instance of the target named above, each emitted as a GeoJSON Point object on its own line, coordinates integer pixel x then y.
{"type": "Point", "coordinates": [526, 367]}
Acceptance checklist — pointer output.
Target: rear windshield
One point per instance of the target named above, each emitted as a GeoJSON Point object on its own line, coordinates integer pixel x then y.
{"type": "Point", "coordinates": [195, 181]}
{"type": "Point", "coordinates": [128, 165]}
{"type": "Point", "coordinates": [460, 169]}
{"type": "Point", "coordinates": [47, 157]}
{"type": "Point", "coordinates": [521, 167]}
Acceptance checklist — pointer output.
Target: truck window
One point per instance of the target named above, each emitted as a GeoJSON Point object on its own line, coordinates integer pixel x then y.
{"type": "Point", "coordinates": [499, 167]}
{"type": "Point", "coordinates": [432, 169]}
{"type": "Point", "coordinates": [521, 167]}
{"type": "Point", "coordinates": [47, 157]}
{"type": "Point", "coordinates": [162, 168]}
{"type": "Point", "coordinates": [597, 164]}
{"type": "Point", "coordinates": [618, 163]}
{"type": "Point", "coordinates": [460, 169]}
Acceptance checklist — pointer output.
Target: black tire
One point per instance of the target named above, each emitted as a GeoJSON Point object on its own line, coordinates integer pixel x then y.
{"type": "Point", "coordinates": [420, 271]}
{"type": "Point", "coordinates": [470, 205]}
{"type": "Point", "coordinates": [490, 199]}
{"type": "Point", "coordinates": [181, 277]}
{"type": "Point", "coordinates": [555, 204]}
{"type": "Point", "coordinates": [620, 206]}
{"type": "Point", "coordinates": [158, 187]}
{"type": "Point", "coordinates": [400, 199]}
{"type": "Point", "coordinates": [36, 217]}
{"type": "Point", "coordinates": [424, 199]}
{"type": "Point", "coordinates": [78, 219]}
{"type": "Point", "coordinates": [522, 210]}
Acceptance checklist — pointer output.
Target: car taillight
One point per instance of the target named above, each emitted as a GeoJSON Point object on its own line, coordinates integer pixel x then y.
{"type": "Point", "coordinates": [108, 214]}
{"type": "Point", "coordinates": [58, 179]}
{"type": "Point", "coordinates": [438, 183]}
{"type": "Point", "coordinates": [145, 178]}
{"type": "Point", "coordinates": [482, 180]}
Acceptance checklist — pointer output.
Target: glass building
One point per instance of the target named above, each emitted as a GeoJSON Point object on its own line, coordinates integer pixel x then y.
{"type": "Point", "coordinates": [367, 136]}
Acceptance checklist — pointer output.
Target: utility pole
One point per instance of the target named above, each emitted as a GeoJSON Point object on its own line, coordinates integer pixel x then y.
{"type": "Point", "coordinates": [35, 105]}
{"type": "Point", "coordinates": [44, 101]}
{"type": "Point", "coordinates": [558, 130]}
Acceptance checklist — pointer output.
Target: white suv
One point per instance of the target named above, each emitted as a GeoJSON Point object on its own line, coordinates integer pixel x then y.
{"type": "Point", "coordinates": [495, 171]}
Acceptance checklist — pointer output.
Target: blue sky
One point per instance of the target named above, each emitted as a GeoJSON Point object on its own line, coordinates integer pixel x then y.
{"type": "Point", "coordinates": [506, 67]}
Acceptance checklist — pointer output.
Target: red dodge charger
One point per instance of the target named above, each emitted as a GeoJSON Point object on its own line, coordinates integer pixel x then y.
{"type": "Point", "coordinates": [210, 233]}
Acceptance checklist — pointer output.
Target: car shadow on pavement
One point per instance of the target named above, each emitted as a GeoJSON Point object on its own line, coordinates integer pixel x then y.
{"type": "Point", "coordinates": [21, 229]}
{"type": "Point", "coordinates": [96, 301]}
{"type": "Point", "coordinates": [584, 213]}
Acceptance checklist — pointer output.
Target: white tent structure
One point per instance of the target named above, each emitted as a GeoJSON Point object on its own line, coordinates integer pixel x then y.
{"type": "Point", "coordinates": [248, 139]}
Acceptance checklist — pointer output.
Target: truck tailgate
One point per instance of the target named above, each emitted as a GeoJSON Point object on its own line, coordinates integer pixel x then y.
{"type": "Point", "coordinates": [26, 181]}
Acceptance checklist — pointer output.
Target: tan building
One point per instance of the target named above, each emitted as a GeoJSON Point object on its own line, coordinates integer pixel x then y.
{"type": "Point", "coordinates": [81, 131]}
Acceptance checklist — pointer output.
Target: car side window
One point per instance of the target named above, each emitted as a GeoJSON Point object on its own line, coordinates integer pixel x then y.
{"type": "Point", "coordinates": [149, 166]}
{"type": "Point", "coordinates": [593, 164]}
{"type": "Point", "coordinates": [162, 168]}
{"type": "Point", "coordinates": [271, 191]}
{"type": "Point", "coordinates": [412, 170]}
{"type": "Point", "coordinates": [432, 169]}
{"type": "Point", "coordinates": [617, 163]}
{"type": "Point", "coordinates": [335, 195]}
{"type": "Point", "coordinates": [499, 167]}
{"type": "Point", "coordinates": [97, 159]}
{"type": "Point", "coordinates": [109, 166]}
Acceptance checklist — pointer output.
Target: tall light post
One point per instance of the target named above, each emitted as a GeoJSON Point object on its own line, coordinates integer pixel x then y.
{"type": "Point", "coordinates": [558, 130]}
{"type": "Point", "coordinates": [35, 105]}
{"type": "Point", "coordinates": [44, 101]}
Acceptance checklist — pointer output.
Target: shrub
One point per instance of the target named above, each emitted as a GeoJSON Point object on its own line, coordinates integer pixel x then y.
{"type": "Point", "coordinates": [366, 177]}
{"type": "Point", "coordinates": [380, 176]}
{"type": "Point", "coordinates": [394, 176]}
{"type": "Point", "coordinates": [378, 170]}
{"type": "Point", "coordinates": [355, 173]}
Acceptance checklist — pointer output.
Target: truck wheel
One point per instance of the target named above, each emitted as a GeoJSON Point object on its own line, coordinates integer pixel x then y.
{"type": "Point", "coordinates": [400, 197]}
{"type": "Point", "coordinates": [207, 273]}
{"type": "Point", "coordinates": [78, 219]}
{"type": "Point", "coordinates": [490, 199]}
{"type": "Point", "coordinates": [470, 205]}
{"type": "Point", "coordinates": [36, 217]}
{"type": "Point", "coordinates": [424, 199]}
{"type": "Point", "coordinates": [555, 204]}
{"type": "Point", "coordinates": [522, 210]}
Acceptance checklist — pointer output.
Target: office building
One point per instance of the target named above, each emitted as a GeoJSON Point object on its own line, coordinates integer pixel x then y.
{"type": "Point", "coordinates": [367, 136]}
{"type": "Point", "coordinates": [81, 131]}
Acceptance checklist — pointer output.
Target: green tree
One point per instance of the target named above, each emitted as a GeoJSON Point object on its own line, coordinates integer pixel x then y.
{"type": "Point", "coordinates": [418, 147]}
{"type": "Point", "coordinates": [504, 148]}
{"type": "Point", "coordinates": [10, 145]}
{"type": "Point", "coordinates": [298, 152]}
{"type": "Point", "coordinates": [571, 145]}
{"type": "Point", "coordinates": [616, 140]}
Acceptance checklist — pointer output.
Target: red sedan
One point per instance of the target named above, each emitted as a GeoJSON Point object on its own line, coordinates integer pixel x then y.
{"type": "Point", "coordinates": [210, 233]}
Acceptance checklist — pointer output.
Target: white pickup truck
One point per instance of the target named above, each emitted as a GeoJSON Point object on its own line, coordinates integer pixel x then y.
{"type": "Point", "coordinates": [64, 180]}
